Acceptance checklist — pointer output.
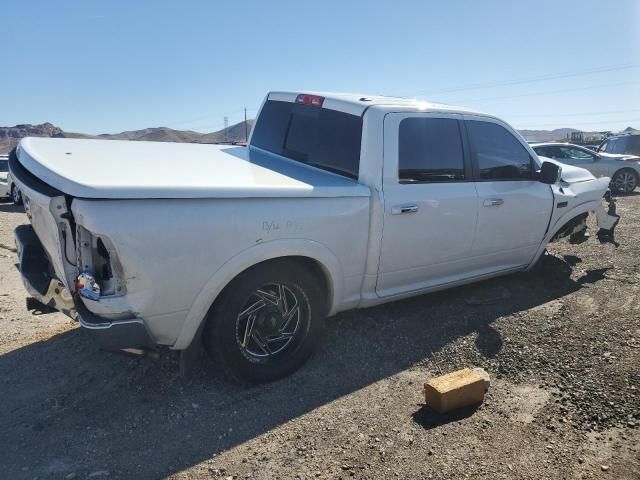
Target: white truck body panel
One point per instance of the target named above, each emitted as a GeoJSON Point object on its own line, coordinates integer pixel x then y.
{"type": "Point", "coordinates": [179, 252]}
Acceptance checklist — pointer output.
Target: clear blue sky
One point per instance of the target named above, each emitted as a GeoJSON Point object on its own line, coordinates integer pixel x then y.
{"type": "Point", "coordinates": [107, 66]}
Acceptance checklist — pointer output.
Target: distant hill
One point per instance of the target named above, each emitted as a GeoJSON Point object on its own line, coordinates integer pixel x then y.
{"type": "Point", "coordinates": [10, 136]}
{"type": "Point", "coordinates": [547, 135]}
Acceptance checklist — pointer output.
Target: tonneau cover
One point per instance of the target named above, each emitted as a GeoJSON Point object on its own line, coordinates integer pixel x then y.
{"type": "Point", "coordinates": [116, 169]}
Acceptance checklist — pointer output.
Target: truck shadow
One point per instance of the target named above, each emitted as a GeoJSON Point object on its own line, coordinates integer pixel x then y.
{"type": "Point", "coordinates": [7, 206]}
{"type": "Point", "coordinates": [67, 407]}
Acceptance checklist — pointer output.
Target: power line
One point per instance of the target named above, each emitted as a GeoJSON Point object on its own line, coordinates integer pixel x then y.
{"type": "Point", "coordinates": [539, 78]}
{"type": "Point", "coordinates": [209, 116]}
{"type": "Point", "coordinates": [610, 112]}
{"type": "Point", "coordinates": [627, 121]}
{"type": "Point", "coordinates": [547, 93]}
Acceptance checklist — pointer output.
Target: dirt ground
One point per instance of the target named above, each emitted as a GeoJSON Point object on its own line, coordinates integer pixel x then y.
{"type": "Point", "coordinates": [562, 345]}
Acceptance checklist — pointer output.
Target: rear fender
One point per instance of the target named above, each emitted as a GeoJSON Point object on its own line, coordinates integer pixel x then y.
{"type": "Point", "coordinates": [250, 257]}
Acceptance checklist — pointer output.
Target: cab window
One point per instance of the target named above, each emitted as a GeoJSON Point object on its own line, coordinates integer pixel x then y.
{"type": "Point", "coordinates": [498, 154]}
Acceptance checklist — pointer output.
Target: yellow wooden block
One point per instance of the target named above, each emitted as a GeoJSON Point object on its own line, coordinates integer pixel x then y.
{"type": "Point", "coordinates": [455, 390]}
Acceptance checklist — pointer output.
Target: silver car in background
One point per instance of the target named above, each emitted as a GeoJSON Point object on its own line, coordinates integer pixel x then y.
{"type": "Point", "coordinates": [623, 169]}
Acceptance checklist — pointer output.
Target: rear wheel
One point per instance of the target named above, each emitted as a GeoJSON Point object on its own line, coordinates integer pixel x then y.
{"type": "Point", "coordinates": [624, 181]}
{"type": "Point", "coordinates": [16, 196]}
{"type": "Point", "coordinates": [267, 322]}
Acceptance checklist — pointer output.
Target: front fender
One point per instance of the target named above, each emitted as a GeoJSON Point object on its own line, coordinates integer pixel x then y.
{"type": "Point", "coordinates": [247, 258]}
{"type": "Point", "coordinates": [606, 221]}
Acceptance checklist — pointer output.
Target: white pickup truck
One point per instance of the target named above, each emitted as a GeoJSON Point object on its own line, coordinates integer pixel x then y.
{"type": "Point", "coordinates": [338, 202]}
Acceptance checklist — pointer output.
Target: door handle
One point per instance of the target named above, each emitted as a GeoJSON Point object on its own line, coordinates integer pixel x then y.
{"type": "Point", "coordinates": [402, 209]}
{"type": "Point", "coordinates": [493, 202]}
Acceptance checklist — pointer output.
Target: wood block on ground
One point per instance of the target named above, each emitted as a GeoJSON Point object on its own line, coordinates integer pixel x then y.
{"type": "Point", "coordinates": [455, 390]}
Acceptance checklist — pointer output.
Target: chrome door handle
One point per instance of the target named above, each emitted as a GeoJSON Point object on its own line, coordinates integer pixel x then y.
{"type": "Point", "coordinates": [402, 209]}
{"type": "Point", "coordinates": [493, 202]}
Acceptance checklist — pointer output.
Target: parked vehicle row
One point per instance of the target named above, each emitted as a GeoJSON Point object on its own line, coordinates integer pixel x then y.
{"type": "Point", "coordinates": [338, 202]}
{"type": "Point", "coordinates": [623, 169]}
{"type": "Point", "coordinates": [8, 188]}
{"type": "Point", "coordinates": [4, 172]}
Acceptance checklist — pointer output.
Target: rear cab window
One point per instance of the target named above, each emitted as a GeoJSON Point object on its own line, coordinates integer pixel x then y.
{"type": "Point", "coordinates": [310, 134]}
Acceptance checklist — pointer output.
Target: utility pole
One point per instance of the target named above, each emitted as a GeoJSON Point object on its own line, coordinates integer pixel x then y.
{"type": "Point", "coordinates": [246, 133]}
{"type": "Point", "coordinates": [226, 127]}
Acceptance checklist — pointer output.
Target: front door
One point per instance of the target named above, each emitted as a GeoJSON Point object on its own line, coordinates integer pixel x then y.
{"type": "Point", "coordinates": [514, 208]}
{"type": "Point", "coordinates": [430, 203]}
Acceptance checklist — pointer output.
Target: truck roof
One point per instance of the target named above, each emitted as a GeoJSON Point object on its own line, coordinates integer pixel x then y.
{"type": "Point", "coordinates": [357, 103]}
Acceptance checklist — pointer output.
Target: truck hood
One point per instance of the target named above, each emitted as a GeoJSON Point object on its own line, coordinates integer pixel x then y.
{"type": "Point", "coordinates": [119, 169]}
{"type": "Point", "coordinates": [571, 173]}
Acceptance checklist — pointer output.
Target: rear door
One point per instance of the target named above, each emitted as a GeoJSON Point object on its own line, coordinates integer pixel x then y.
{"type": "Point", "coordinates": [514, 208]}
{"type": "Point", "coordinates": [429, 203]}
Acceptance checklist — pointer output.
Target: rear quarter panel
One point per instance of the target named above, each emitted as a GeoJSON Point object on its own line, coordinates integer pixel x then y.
{"type": "Point", "coordinates": [177, 255]}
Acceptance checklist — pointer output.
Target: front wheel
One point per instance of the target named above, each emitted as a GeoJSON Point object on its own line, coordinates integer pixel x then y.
{"type": "Point", "coordinates": [16, 196]}
{"type": "Point", "coordinates": [624, 181]}
{"type": "Point", "coordinates": [267, 322]}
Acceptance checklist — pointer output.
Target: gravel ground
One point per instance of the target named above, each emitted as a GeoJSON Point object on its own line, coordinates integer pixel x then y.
{"type": "Point", "coordinates": [562, 344]}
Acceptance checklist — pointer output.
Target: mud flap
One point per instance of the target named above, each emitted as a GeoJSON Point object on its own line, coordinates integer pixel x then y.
{"type": "Point", "coordinates": [607, 221]}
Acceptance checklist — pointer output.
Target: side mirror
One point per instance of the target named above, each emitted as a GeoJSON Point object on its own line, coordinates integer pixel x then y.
{"type": "Point", "coordinates": [550, 173]}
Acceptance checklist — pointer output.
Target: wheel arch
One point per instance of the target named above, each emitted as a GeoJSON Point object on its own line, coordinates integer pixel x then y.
{"type": "Point", "coordinates": [316, 256]}
{"type": "Point", "coordinates": [559, 224]}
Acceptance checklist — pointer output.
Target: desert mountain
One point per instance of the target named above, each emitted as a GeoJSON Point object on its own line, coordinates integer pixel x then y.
{"type": "Point", "coordinates": [10, 136]}
{"type": "Point", "coordinates": [547, 135]}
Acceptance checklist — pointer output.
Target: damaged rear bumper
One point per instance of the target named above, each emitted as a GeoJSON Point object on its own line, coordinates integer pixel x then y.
{"type": "Point", "coordinates": [42, 284]}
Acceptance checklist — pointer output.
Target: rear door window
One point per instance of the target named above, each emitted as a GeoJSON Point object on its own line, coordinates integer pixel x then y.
{"type": "Point", "coordinates": [498, 154]}
{"type": "Point", "coordinates": [325, 138]}
{"type": "Point", "coordinates": [430, 149]}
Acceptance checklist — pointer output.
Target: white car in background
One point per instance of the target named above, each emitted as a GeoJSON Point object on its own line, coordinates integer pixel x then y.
{"type": "Point", "coordinates": [624, 170]}
{"type": "Point", "coordinates": [4, 172]}
{"type": "Point", "coordinates": [8, 188]}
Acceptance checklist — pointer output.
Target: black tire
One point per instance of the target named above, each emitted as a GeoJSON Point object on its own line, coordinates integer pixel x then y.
{"type": "Point", "coordinates": [16, 196]}
{"type": "Point", "coordinates": [624, 181]}
{"type": "Point", "coordinates": [225, 330]}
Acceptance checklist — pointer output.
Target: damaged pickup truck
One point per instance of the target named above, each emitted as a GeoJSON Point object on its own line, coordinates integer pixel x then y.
{"type": "Point", "coordinates": [338, 202]}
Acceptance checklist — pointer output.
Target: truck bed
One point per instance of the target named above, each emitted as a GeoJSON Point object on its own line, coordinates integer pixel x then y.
{"type": "Point", "coordinates": [116, 169]}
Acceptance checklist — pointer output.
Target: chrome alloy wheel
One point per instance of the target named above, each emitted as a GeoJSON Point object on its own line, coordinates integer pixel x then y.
{"type": "Point", "coordinates": [269, 321]}
{"type": "Point", "coordinates": [625, 181]}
